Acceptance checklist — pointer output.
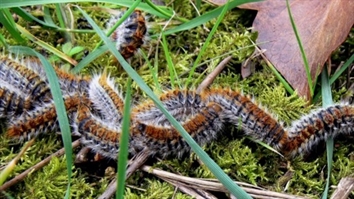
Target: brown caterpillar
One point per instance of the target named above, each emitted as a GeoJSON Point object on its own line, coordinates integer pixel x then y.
{"type": "Point", "coordinates": [95, 111]}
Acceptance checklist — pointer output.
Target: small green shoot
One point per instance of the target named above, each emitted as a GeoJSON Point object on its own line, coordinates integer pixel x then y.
{"type": "Point", "coordinates": [124, 144]}
{"type": "Point", "coordinates": [303, 54]}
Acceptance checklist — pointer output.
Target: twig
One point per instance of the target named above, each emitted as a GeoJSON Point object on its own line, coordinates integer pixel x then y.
{"type": "Point", "coordinates": [135, 163]}
{"type": "Point", "coordinates": [344, 188]}
{"type": "Point", "coordinates": [197, 193]}
{"type": "Point", "coordinates": [210, 78]}
{"type": "Point", "coordinates": [36, 167]}
{"type": "Point", "coordinates": [214, 185]}
{"type": "Point", "coordinates": [11, 165]}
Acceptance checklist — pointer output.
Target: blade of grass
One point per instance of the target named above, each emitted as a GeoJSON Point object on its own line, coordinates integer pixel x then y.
{"type": "Point", "coordinates": [275, 72]}
{"type": "Point", "coordinates": [64, 20]}
{"type": "Point", "coordinates": [341, 70]}
{"type": "Point", "coordinates": [214, 168]}
{"type": "Point", "coordinates": [167, 14]}
{"type": "Point", "coordinates": [28, 17]}
{"type": "Point", "coordinates": [12, 164]}
{"type": "Point", "coordinates": [8, 22]}
{"type": "Point", "coordinates": [206, 43]}
{"type": "Point", "coordinates": [124, 144]}
{"type": "Point", "coordinates": [206, 17]}
{"type": "Point", "coordinates": [327, 101]}
{"type": "Point", "coordinates": [281, 79]}
{"type": "Point", "coordinates": [170, 65]}
{"type": "Point", "coordinates": [198, 3]}
{"type": "Point", "coordinates": [47, 16]}
{"type": "Point", "coordinates": [3, 41]}
{"type": "Point", "coordinates": [153, 71]}
{"type": "Point", "coordinates": [89, 58]}
{"type": "Point", "coordinates": [303, 54]}
{"type": "Point", "coordinates": [336, 75]}
{"type": "Point", "coordinates": [46, 46]}
{"type": "Point", "coordinates": [59, 106]}
{"type": "Point", "coordinates": [59, 11]}
{"type": "Point", "coordinates": [143, 6]}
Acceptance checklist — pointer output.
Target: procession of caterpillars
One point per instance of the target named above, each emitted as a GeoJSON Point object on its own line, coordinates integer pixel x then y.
{"type": "Point", "coordinates": [95, 104]}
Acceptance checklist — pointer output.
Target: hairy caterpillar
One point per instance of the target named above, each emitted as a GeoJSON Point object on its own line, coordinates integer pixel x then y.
{"type": "Point", "coordinates": [95, 109]}
{"type": "Point", "coordinates": [130, 35]}
{"type": "Point", "coordinates": [95, 112]}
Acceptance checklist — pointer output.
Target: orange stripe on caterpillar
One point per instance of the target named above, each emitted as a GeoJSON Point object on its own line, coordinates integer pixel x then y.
{"type": "Point", "coordinates": [23, 78]}
{"type": "Point", "coordinates": [166, 140]}
{"type": "Point", "coordinates": [28, 75]}
{"type": "Point", "coordinates": [97, 134]}
{"type": "Point", "coordinates": [245, 114]}
{"type": "Point", "coordinates": [12, 101]}
{"type": "Point", "coordinates": [148, 122]}
{"type": "Point", "coordinates": [180, 103]}
{"type": "Point", "coordinates": [42, 119]}
{"type": "Point", "coordinates": [106, 98]}
{"type": "Point", "coordinates": [305, 133]}
{"type": "Point", "coordinates": [130, 35]}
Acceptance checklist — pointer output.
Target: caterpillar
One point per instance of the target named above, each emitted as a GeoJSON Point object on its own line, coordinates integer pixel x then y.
{"type": "Point", "coordinates": [95, 112]}
{"type": "Point", "coordinates": [131, 34]}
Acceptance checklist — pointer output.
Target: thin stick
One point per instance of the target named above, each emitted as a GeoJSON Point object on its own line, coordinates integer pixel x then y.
{"type": "Point", "coordinates": [36, 167]}
{"type": "Point", "coordinates": [196, 193]}
{"type": "Point", "coordinates": [206, 184]}
{"type": "Point", "coordinates": [344, 188]}
{"type": "Point", "coordinates": [210, 78]}
{"type": "Point", "coordinates": [135, 163]}
{"type": "Point", "coordinates": [11, 165]}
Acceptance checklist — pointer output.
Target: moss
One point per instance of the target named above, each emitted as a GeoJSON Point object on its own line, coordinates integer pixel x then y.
{"type": "Point", "coordinates": [52, 181]}
{"type": "Point", "coordinates": [240, 158]}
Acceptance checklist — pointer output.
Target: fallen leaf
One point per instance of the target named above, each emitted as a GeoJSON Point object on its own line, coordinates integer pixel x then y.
{"type": "Point", "coordinates": [322, 25]}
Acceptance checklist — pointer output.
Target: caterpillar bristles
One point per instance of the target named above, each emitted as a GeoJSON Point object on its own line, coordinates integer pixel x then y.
{"type": "Point", "coordinates": [130, 35]}
{"type": "Point", "coordinates": [24, 78]}
{"type": "Point", "coordinates": [106, 98]}
{"type": "Point", "coordinates": [12, 101]}
{"type": "Point", "coordinates": [165, 140]}
{"type": "Point", "coordinates": [42, 119]}
{"type": "Point", "coordinates": [305, 133]}
{"type": "Point", "coordinates": [97, 134]}
{"type": "Point", "coordinates": [95, 110]}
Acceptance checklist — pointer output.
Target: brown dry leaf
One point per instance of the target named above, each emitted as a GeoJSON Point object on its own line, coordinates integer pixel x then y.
{"type": "Point", "coordinates": [322, 25]}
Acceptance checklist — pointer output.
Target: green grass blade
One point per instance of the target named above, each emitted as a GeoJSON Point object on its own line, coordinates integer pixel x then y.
{"type": "Point", "coordinates": [153, 71]}
{"type": "Point", "coordinates": [8, 22]}
{"type": "Point", "coordinates": [341, 70]}
{"type": "Point", "coordinates": [60, 14]}
{"type": "Point", "coordinates": [124, 144]}
{"type": "Point", "coordinates": [3, 41]}
{"type": "Point", "coordinates": [283, 81]}
{"type": "Point", "coordinates": [336, 75]}
{"type": "Point", "coordinates": [45, 45]}
{"type": "Point", "coordinates": [48, 16]}
{"type": "Point", "coordinates": [59, 106]}
{"type": "Point", "coordinates": [327, 101]}
{"type": "Point", "coordinates": [28, 17]}
{"type": "Point", "coordinates": [89, 58]}
{"type": "Point", "coordinates": [214, 168]}
{"type": "Point", "coordinates": [303, 54]}
{"type": "Point", "coordinates": [127, 3]}
{"type": "Point", "coordinates": [164, 12]}
{"type": "Point", "coordinates": [206, 43]}
{"type": "Point", "coordinates": [170, 65]}
{"type": "Point", "coordinates": [206, 17]}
